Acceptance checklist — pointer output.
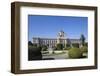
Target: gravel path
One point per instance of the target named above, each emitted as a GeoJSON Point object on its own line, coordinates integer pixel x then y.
{"type": "Point", "coordinates": [63, 55]}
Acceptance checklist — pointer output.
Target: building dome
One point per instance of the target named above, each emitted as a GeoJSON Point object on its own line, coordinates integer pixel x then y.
{"type": "Point", "coordinates": [61, 34]}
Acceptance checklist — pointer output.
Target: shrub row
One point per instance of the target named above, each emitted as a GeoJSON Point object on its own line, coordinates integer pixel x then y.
{"type": "Point", "coordinates": [77, 52]}
{"type": "Point", "coordinates": [44, 48]}
{"type": "Point", "coordinates": [34, 53]}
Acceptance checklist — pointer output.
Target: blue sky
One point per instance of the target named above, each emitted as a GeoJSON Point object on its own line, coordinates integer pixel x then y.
{"type": "Point", "coordinates": [49, 26]}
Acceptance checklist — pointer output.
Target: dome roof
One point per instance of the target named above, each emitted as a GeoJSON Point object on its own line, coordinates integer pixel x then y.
{"type": "Point", "coordinates": [61, 34]}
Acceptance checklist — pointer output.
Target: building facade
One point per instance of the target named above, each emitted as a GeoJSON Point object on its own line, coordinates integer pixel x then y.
{"type": "Point", "coordinates": [52, 42]}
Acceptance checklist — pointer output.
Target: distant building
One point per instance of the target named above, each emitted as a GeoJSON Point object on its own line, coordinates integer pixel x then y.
{"type": "Point", "coordinates": [52, 42]}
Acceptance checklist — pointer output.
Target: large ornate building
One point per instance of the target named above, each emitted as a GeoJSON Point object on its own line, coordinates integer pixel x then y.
{"type": "Point", "coordinates": [52, 42]}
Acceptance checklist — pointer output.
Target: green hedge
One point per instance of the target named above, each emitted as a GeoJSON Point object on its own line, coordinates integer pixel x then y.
{"type": "Point", "coordinates": [75, 53]}
{"type": "Point", "coordinates": [34, 53]}
{"type": "Point", "coordinates": [86, 44]}
{"type": "Point", "coordinates": [59, 47]}
{"type": "Point", "coordinates": [68, 45]}
{"type": "Point", "coordinates": [84, 49]}
{"type": "Point", "coordinates": [44, 48]}
{"type": "Point", "coordinates": [67, 48]}
{"type": "Point", "coordinates": [75, 45]}
{"type": "Point", "coordinates": [54, 48]}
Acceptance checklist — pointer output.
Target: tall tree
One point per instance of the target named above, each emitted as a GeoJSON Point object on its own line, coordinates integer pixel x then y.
{"type": "Point", "coordinates": [59, 46]}
{"type": "Point", "coordinates": [30, 43]}
{"type": "Point", "coordinates": [82, 39]}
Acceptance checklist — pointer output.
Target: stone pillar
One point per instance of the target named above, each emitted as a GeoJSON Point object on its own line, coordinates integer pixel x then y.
{"type": "Point", "coordinates": [65, 43]}
{"type": "Point", "coordinates": [58, 40]}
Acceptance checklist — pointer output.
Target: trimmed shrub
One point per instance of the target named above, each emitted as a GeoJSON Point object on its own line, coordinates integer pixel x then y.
{"type": "Point", "coordinates": [84, 49]}
{"type": "Point", "coordinates": [86, 44]}
{"type": "Point", "coordinates": [67, 48]}
{"type": "Point", "coordinates": [75, 45]}
{"type": "Point", "coordinates": [34, 53]}
{"type": "Point", "coordinates": [59, 47]}
{"type": "Point", "coordinates": [30, 43]}
{"type": "Point", "coordinates": [39, 47]}
{"type": "Point", "coordinates": [44, 48]}
{"type": "Point", "coordinates": [68, 45]}
{"type": "Point", "coordinates": [75, 53]}
{"type": "Point", "coordinates": [54, 48]}
{"type": "Point", "coordinates": [35, 45]}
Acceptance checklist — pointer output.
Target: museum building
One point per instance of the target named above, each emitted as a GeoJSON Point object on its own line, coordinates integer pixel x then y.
{"type": "Point", "coordinates": [52, 42]}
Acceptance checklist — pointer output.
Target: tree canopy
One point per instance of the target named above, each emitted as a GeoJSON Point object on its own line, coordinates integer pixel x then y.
{"type": "Point", "coordinates": [82, 38]}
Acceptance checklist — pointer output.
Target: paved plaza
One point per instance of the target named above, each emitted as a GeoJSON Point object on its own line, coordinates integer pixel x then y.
{"type": "Point", "coordinates": [58, 54]}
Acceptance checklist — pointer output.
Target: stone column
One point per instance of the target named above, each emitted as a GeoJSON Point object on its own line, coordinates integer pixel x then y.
{"type": "Point", "coordinates": [65, 42]}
